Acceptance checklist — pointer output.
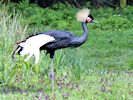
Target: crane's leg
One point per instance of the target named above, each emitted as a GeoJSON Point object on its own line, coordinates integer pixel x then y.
{"type": "Point", "coordinates": [52, 76]}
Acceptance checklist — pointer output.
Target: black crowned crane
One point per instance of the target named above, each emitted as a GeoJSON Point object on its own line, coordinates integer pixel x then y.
{"type": "Point", "coordinates": [53, 40]}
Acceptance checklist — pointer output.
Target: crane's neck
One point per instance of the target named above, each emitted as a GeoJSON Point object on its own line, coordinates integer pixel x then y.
{"type": "Point", "coordinates": [85, 32]}
{"type": "Point", "coordinates": [80, 40]}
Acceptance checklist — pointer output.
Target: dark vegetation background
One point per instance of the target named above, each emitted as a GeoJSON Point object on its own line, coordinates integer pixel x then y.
{"type": "Point", "coordinates": [78, 3]}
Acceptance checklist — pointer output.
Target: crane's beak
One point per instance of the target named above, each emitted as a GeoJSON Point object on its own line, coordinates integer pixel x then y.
{"type": "Point", "coordinates": [93, 21]}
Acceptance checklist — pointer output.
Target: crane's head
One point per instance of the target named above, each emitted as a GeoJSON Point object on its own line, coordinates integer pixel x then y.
{"type": "Point", "coordinates": [83, 15]}
{"type": "Point", "coordinates": [90, 19]}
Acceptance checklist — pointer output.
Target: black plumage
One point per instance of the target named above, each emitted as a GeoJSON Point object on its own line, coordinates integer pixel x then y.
{"type": "Point", "coordinates": [64, 39]}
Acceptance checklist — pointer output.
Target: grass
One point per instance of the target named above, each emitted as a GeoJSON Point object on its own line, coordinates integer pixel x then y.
{"type": "Point", "coordinates": [102, 68]}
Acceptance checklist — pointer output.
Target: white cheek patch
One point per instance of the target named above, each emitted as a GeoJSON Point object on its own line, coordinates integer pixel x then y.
{"type": "Point", "coordinates": [32, 46]}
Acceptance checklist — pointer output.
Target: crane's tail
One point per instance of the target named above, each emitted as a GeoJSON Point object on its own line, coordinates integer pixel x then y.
{"type": "Point", "coordinates": [82, 15]}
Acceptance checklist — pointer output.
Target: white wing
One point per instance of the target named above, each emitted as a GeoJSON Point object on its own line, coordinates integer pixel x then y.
{"type": "Point", "coordinates": [32, 45]}
{"type": "Point", "coordinates": [38, 40]}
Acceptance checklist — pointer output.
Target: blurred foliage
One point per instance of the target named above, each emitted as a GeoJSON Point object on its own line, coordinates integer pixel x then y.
{"type": "Point", "coordinates": [115, 22]}
{"type": "Point", "coordinates": [123, 3]}
{"type": "Point", "coordinates": [59, 17]}
{"type": "Point", "coordinates": [77, 3]}
{"type": "Point", "coordinates": [36, 16]}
